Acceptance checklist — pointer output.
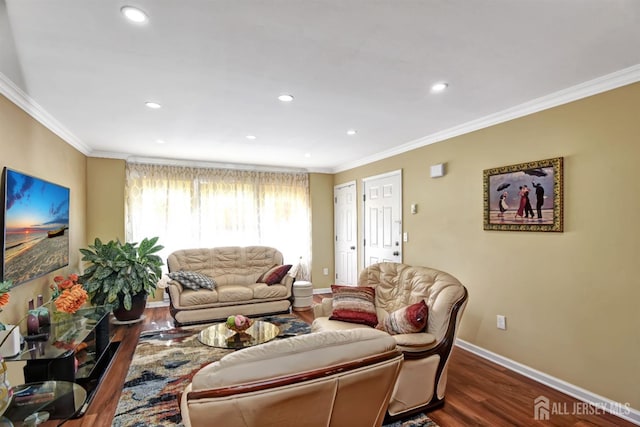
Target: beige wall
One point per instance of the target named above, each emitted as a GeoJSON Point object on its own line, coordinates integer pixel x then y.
{"type": "Point", "coordinates": [570, 298]}
{"type": "Point", "coordinates": [105, 199]}
{"type": "Point", "coordinates": [29, 147]}
{"type": "Point", "coordinates": [321, 187]}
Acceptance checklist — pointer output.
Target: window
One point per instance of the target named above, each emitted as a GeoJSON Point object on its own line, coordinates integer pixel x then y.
{"type": "Point", "coordinates": [189, 207]}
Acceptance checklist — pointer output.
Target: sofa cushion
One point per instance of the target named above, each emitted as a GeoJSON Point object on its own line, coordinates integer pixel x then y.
{"type": "Point", "coordinates": [193, 280]}
{"type": "Point", "coordinates": [420, 341]}
{"type": "Point", "coordinates": [201, 297]}
{"type": "Point", "coordinates": [264, 291]}
{"type": "Point", "coordinates": [354, 304]}
{"type": "Point", "coordinates": [274, 275]}
{"type": "Point", "coordinates": [406, 320]}
{"type": "Point", "coordinates": [234, 293]}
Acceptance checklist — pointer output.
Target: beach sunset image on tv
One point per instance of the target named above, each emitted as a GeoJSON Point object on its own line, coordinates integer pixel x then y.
{"type": "Point", "coordinates": [36, 227]}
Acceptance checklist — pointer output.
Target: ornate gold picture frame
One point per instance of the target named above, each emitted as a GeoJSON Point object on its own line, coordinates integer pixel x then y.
{"type": "Point", "coordinates": [524, 197]}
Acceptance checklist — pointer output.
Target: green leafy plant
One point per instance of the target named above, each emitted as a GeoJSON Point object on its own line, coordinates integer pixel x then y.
{"type": "Point", "coordinates": [118, 271]}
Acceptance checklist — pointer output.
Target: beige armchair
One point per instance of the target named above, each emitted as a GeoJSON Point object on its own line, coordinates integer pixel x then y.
{"type": "Point", "coordinates": [331, 378]}
{"type": "Point", "coordinates": [423, 378]}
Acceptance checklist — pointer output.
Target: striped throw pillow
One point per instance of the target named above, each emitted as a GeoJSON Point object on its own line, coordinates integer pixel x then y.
{"type": "Point", "coordinates": [407, 320]}
{"type": "Point", "coordinates": [355, 304]}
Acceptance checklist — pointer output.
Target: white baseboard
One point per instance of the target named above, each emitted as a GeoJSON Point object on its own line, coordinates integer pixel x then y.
{"type": "Point", "coordinates": [321, 291]}
{"type": "Point", "coordinates": [156, 304]}
{"type": "Point", "coordinates": [600, 402]}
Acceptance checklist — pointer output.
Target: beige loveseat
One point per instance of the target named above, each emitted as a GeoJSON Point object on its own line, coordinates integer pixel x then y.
{"type": "Point", "coordinates": [235, 271]}
{"type": "Point", "coordinates": [331, 378]}
{"type": "Point", "coordinates": [423, 378]}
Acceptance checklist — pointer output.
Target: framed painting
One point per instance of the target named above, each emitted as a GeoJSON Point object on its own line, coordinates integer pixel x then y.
{"type": "Point", "coordinates": [524, 197]}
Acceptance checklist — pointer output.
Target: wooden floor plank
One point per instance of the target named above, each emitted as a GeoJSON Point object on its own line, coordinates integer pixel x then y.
{"type": "Point", "coordinates": [479, 392]}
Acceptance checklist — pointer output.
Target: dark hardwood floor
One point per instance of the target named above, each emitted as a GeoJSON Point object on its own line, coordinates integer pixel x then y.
{"type": "Point", "coordinates": [479, 393]}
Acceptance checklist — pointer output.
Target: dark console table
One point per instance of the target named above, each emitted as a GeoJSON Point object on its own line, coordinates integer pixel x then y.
{"type": "Point", "coordinates": [75, 347]}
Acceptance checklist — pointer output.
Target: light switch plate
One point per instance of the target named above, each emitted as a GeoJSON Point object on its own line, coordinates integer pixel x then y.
{"type": "Point", "coordinates": [502, 322]}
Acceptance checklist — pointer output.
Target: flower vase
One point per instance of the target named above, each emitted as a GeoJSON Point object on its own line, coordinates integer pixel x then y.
{"type": "Point", "coordinates": [44, 318]}
{"type": "Point", "coordinates": [61, 323]}
{"type": "Point", "coordinates": [33, 326]}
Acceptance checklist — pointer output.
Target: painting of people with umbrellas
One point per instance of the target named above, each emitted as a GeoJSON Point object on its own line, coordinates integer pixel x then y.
{"type": "Point", "coordinates": [524, 197]}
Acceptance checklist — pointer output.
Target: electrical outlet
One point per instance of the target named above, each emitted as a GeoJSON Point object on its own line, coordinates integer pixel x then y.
{"type": "Point", "coordinates": [502, 322]}
{"type": "Point", "coordinates": [405, 237]}
{"type": "Point", "coordinates": [325, 271]}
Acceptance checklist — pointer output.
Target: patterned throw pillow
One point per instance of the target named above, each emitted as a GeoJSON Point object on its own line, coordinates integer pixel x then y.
{"type": "Point", "coordinates": [274, 275]}
{"type": "Point", "coordinates": [193, 280]}
{"type": "Point", "coordinates": [355, 304]}
{"type": "Point", "coordinates": [407, 320]}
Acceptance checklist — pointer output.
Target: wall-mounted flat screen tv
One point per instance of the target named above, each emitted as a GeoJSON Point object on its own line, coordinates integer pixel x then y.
{"type": "Point", "coordinates": [35, 226]}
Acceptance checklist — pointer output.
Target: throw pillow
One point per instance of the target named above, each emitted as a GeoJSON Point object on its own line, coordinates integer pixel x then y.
{"type": "Point", "coordinates": [193, 280]}
{"type": "Point", "coordinates": [275, 274]}
{"type": "Point", "coordinates": [407, 320]}
{"type": "Point", "coordinates": [355, 304]}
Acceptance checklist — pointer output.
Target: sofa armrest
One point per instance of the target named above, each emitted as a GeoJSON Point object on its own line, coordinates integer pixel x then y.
{"type": "Point", "coordinates": [174, 289]}
{"type": "Point", "coordinates": [287, 282]}
{"type": "Point", "coordinates": [176, 285]}
{"type": "Point", "coordinates": [324, 309]}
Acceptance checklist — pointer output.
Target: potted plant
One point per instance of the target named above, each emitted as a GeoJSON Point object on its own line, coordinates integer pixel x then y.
{"type": "Point", "coordinates": [121, 275]}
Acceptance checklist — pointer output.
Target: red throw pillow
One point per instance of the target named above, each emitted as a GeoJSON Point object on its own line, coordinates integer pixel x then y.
{"type": "Point", "coordinates": [407, 320]}
{"type": "Point", "coordinates": [355, 304]}
{"type": "Point", "coordinates": [275, 274]}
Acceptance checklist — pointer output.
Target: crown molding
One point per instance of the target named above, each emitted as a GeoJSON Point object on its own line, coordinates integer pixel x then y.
{"type": "Point", "coordinates": [35, 110]}
{"type": "Point", "coordinates": [601, 84]}
{"type": "Point", "coordinates": [592, 87]}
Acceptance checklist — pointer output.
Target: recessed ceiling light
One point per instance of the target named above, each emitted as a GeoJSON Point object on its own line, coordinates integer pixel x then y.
{"type": "Point", "coordinates": [153, 105]}
{"type": "Point", "coordinates": [439, 87]}
{"type": "Point", "coordinates": [251, 137]}
{"type": "Point", "coordinates": [160, 141]}
{"type": "Point", "coordinates": [285, 98]}
{"type": "Point", "coordinates": [134, 14]}
{"type": "Point", "coordinates": [352, 132]}
{"type": "Point", "coordinates": [307, 155]}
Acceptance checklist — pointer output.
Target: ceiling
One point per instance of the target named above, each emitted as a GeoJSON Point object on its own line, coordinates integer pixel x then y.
{"type": "Point", "coordinates": [218, 66]}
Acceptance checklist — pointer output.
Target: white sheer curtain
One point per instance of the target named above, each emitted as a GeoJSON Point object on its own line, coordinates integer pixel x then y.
{"type": "Point", "coordinates": [190, 207]}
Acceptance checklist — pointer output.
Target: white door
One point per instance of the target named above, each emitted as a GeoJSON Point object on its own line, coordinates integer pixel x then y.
{"type": "Point", "coordinates": [346, 226]}
{"type": "Point", "coordinates": [383, 218]}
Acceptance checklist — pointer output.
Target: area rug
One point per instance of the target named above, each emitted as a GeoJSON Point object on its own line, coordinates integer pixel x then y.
{"type": "Point", "coordinates": [164, 363]}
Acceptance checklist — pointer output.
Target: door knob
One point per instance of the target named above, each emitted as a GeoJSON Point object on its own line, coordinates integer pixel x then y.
{"type": "Point", "coordinates": [396, 253]}
{"type": "Point", "coordinates": [353, 248]}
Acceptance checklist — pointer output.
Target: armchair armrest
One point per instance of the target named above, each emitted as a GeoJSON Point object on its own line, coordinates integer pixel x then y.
{"type": "Point", "coordinates": [324, 309]}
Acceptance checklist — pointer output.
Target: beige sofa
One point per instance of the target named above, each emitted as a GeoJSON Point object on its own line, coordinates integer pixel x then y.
{"type": "Point", "coordinates": [331, 378]}
{"type": "Point", "coordinates": [235, 271]}
{"type": "Point", "coordinates": [423, 378]}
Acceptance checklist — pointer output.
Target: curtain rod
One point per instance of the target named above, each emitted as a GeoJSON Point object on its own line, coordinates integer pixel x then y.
{"type": "Point", "coordinates": [212, 165]}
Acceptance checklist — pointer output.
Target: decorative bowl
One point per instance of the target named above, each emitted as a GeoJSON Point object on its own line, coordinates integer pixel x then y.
{"type": "Point", "coordinates": [241, 326]}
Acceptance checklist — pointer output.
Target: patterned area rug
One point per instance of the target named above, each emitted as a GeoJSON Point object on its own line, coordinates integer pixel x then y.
{"type": "Point", "coordinates": [164, 363]}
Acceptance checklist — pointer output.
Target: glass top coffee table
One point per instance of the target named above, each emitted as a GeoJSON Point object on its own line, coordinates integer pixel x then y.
{"type": "Point", "coordinates": [219, 335]}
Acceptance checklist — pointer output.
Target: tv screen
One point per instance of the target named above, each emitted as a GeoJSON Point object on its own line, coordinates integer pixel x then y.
{"type": "Point", "coordinates": [36, 227]}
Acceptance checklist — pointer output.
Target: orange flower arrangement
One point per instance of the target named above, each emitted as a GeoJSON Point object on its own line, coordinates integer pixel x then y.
{"type": "Point", "coordinates": [71, 299]}
{"type": "Point", "coordinates": [4, 293]}
{"type": "Point", "coordinates": [68, 294]}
